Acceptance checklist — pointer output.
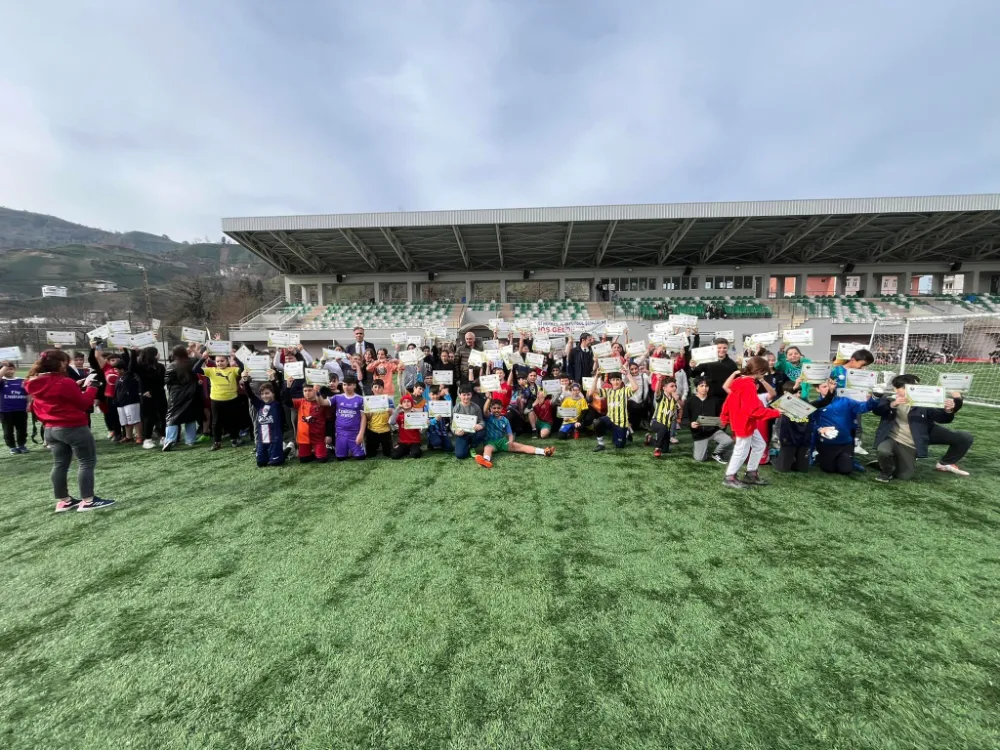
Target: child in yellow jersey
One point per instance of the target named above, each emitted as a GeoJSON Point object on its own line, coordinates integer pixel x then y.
{"type": "Point", "coordinates": [573, 400]}
{"type": "Point", "coordinates": [666, 416]}
{"type": "Point", "coordinates": [616, 420]}
{"type": "Point", "coordinates": [377, 433]}
{"type": "Point", "coordinates": [224, 384]}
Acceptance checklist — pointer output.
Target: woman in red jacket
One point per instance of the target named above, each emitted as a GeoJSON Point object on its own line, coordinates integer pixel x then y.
{"type": "Point", "coordinates": [742, 409]}
{"type": "Point", "coordinates": [64, 410]}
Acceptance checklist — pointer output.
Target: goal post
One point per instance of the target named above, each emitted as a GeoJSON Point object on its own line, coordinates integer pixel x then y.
{"type": "Point", "coordinates": [929, 346]}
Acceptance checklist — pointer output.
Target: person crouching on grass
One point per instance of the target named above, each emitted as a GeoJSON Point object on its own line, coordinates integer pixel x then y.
{"type": "Point", "coordinates": [666, 416]}
{"type": "Point", "coordinates": [409, 438]}
{"type": "Point", "coordinates": [616, 420]}
{"type": "Point", "coordinates": [310, 433]}
{"type": "Point", "coordinates": [500, 437]}
{"type": "Point", "coordinates": [742, 410]}
{"type": "Point", "coordinates": [572, 398]}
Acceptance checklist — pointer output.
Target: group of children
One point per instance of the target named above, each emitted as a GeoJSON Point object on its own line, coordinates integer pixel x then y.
{"type": "Point", "coordinates": [139, 399]}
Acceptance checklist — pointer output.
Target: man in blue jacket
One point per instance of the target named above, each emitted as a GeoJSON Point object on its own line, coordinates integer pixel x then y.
{"type": "Point", "coordinates": [834, 425]}
{"type": "Point", "coordinates": [906, 432]}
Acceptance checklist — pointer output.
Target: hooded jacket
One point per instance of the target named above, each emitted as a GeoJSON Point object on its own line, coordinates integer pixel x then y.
{"type": "Point", "coordinates": [743, 408]}
{"type": "Point", "coordinates": [58, 402]}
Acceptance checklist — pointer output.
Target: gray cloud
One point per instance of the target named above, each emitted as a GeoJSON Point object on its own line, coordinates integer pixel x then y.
{"type": "Point", "coordinates": [165, 117]}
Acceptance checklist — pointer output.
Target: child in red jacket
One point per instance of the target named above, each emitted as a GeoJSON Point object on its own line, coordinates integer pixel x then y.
{"type": "Point", "coordinates": [742, 410]}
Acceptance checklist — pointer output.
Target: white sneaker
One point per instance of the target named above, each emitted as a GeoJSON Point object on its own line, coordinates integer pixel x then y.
{"type": "Point", "coordinates": [859, 451]}
{"type": "Point", "coordinates": [148, 444]}
{"type": "Point", "coordinates": [952, 469]}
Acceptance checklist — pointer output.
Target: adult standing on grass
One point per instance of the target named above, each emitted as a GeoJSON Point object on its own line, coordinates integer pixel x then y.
{"type": "Point", "coordinates": [184, 402]}
{"type": "Point", "coordinates": [65, 412]}
{"type": "Point", "coordinates": [467, 374]}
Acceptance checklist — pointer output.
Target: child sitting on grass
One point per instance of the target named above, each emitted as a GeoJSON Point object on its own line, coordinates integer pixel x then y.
{"type": "Point", "coordinates": [500, 437]}
{"type": "Point", "coordinates": [409, 438]}
{"type": "Point", "coordinates": [700, 404]}
{"type": "Point", "coordinates": [439, 432]}
{"type": "Point", "coordinates": [574, 399]}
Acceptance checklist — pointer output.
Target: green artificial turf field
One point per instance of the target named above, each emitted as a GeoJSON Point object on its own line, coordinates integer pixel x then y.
{"type": "Point", "coordinates": [582, 601]}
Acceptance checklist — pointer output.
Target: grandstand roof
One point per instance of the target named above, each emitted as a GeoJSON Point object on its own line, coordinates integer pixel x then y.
{"type": "Point", "coordinates": [851, 230]}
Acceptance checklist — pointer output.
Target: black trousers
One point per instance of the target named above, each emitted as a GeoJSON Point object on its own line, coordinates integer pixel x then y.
{"type": "Point", "coordinates": [402, 450]}
{"type": "Point", "coordinates": [154, 416]}
{"type": "Point", "coordinates": [791, 458]}
{"type": "Point", "coordinates": [896, 460]}
{"type": "Point", "coordinates": [111, 420]}
{"type": "Point", "coordinates": [958, 443]}
{"type": "Point", "coordinates": [376, 440]}
{"type": "Point", "coordinates": [661, 433]}
{"type": "Point", "coordinates": [15, 428]}
{"type": "Point", "coordinates": [636, 414]}
{"type": "Point", "coordinates": [226, 418]}
{"type": "Point", "coordinates": [836, 458]}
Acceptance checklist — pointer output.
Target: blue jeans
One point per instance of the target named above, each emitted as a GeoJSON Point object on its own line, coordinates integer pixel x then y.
{"type": "Point", "coordinates": [190, 433]}
{"type": "Point", "coordinates": [465, 443]}
{"type": "Point", "coordinates": [439, 441]}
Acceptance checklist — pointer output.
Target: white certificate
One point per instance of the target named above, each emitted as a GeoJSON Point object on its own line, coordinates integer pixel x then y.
{"type": "Point", "coordinates": [477, 358]}
{"type": "Point", "coordinates": [666, 328]}
{"type": "Point", "coordinates": [614, 329]}
{"type": "Point", "coordinates": [399, 338]}
{"type": "Point", "coordinates": [491, 345]}
{"type": "Point", "coordinates": [863, 380]}
{"type": "Point", "coordinates": [506, 351]}
{"type": "Point", "coordinates": [282, 338]}
{"type": "Point", "coordinates": [317, 376]}
{"type": "Point", "coordinates": [119, 326]}
{"type": "Point", "coordinates": [443, 377]}
{"type": "Point", "coordinates": [566, 412]}
{"type": "Point", "coordinates": [609, 364]}
{"type": "Point", "coordinates": [410, 356]}
{"type": "Point", "coordinates": [675, 342]}
{"type": "Point", "coordinates": [930, 396]}
{"type": "Point", "coordinates": [10, 352]}
{"type": "Point", "coordinates": [516, 359]}
{"type": "Point", "coordinates": [661, 365]}
{"type": "Point", "coordinates": [123, 340]}
{"type": "Point", "coordinates": [495, 323]}
{"type": "Point", "coordinates": [144, 339]}
{"type": "Point", "coordinates": [602, 350]}
{"type": "Point", "coordinates": [376, 403]}
{"type": "Point", "coordinates": [489, 383]}
{"type": "Point", "coordinates": [855, 394]}
{"type": "Point", "coordinates": [798, 337]}
{"type": "Point", "coordinates": [793, 406]}
{"type": "Point", "coordinates": [655, 338]}
{"type": "Point", "coordinates": [101, 332]}
{"type": "Point", "coordinates": [955, 381]}
{"type": "Point", "coordinates": [729, 336]}
{"type": "Point", "coordinates": [705, 354]}
{"type": "Point", "coordinates": [438, 332]}
{"type": "Point", "coordinates": [156, 323]}
{"type": "Point", "coordinates": [258, 366]}
{"type": "Point", "coordinates": [415, 420]}
{"type": "Point", "coordinates": [683, 321]}
{"type": "Point", "coordinates": [708, 421]}
{"type": "Point", "coordinates": [552, 386]}
{"type": "Point", "coordinates": [763, 339]}
{"type": "Point", "coordinates": [60, 337]}
{"type": "Point", "coordinates": [844, 351]}
{"type": "Point", "coordinates": [243, 353]}
{"type": "Point", "coordinates": [542, 345]}
{"type": "Point", "coordinates": [636, 349]}
{"type": "Point", "coordinates": [534, 359]}
{"type": "Point", "coordinates": [815, 372]}
{"type": "Point", "coordinates": [193, 335]}
{"type": "Point", "coordinates": [464, 422]}
{"type": "Point", "coordinates": [335, 355]}
{"type": "Point", "coordinates": [417, 341]}
{"type": "Point", "coordinates": [295, 370]}
{"type": "Point", "coordinates": [220, 348]}
{"type": "Point", "coordinates": [439, 408]}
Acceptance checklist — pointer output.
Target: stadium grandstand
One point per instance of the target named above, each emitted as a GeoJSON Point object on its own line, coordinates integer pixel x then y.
{"type": "Point", "coordinates": [841, 266]}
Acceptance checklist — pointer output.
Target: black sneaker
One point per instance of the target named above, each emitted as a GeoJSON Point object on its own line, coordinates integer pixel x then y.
{"type": "Point", "coordinates": [753, 478]}
{"type": "Point", "coordinates": [719, 458]}
{"type": "Point", "coordinates": [169, 446]}
{"type": "Point", "coordinates": [733, 483]}
{"type": "Point", "coordinates": [96, 504]}
{"type": "Point", "coordinates": [216, 446]}
{"type": "Point", "coordinates": [236, 443]}
{"type": "Point", "coordinates": [599, 447]}
{"type": "Point", "coordinates": [883, 478]}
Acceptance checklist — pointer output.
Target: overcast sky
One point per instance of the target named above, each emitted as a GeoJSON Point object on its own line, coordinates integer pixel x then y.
{"type": "Point", "coordinates": [166, 117]}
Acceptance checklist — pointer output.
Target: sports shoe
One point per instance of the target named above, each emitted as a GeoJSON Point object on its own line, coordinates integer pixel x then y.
{"type": "Point", "coordinates": [236, 443]}
{"type": "Point", "coordinates": [952, 469]}
{"type": "Point", "coordinates": [858, 449]}
{"type": "Point", "coordinates": [62, 506]}
{"type": "Point", "coordinates": [550, 451]}
{"type": "Point", "coordinates": [674, 441]}
{"type": "Point", "coordinates": [719, 458]}
{"type": "Point", "coordinates": [733, 483]}
{"type": "Point", "coordinates": [599, 447]}
{"type": "Point", "coordinates": [288, 450]}
{"type": "Point", "coordinates": [858, 466]}
{"type": "Point", "coordinates": [96, 504]}
{"type": "Point", "coordinates": [753, 478]}
{"type": "Point", "coordinates": [169, 446]}
{"type": "Point", "coordinates": [657, 453]}
{"type": "Point", "coordinates": [484, 462]}
{"type": "Point", "coordinates": [22, 449]}
{"type": "Point", "coordinates": [14, 451]}
{"type": "Point", "coordinates": [649, 439]}
{"type": "Point", "coordinates": [215, 446]}
{"type": "Point", "coordinates": [883, 478]}
{"type": "Point", "coordinates": [148, 444]}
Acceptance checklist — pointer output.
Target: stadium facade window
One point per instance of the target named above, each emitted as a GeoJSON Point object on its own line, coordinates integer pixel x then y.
{"type": "Point", "coordinates": [680, 283]}
{"type": "Point", "coordinates": [355, 292]}
{"type": "Point", "coordinates": [578, 290]}
{"type": "Point", "coordinates": [485, 291]}
{"type": "Point", "coordinates": [304, 293]}
{"type": "Point", "coordinates": [742, 283]}
{"type": "Point", "coordinates": [393, 291]}
{"type": "Point", "coordinates": [432, 291]}
{"type": "Point", "coordinates": [631, 283]}
{"type": "Point", "coordinates": [530, 291]}
{"type": "Point", "coordinates": [953, 283]}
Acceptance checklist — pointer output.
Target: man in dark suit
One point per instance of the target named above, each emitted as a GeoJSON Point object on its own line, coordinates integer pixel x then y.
{"type": "Point", "coordinates": [359, 345]}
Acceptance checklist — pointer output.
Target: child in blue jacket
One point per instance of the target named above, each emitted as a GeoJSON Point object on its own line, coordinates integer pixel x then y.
{"type": "Point", "coordinates": [834, 429]}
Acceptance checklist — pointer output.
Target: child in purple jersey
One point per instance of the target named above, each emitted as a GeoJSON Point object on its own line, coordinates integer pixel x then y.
{"type": "Point", "coordinates": [349, 408]}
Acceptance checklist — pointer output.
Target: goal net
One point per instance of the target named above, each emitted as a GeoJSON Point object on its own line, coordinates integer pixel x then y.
{"type": "Point", "coordinates": [929, 346]}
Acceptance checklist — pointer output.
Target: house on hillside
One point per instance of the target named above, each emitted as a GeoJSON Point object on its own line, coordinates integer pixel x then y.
{"type": "Point", "coordinates": [102, 286]}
